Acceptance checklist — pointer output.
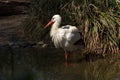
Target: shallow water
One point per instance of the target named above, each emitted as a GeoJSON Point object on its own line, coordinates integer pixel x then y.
{"type": "Point", "coordinates": [49, 64]}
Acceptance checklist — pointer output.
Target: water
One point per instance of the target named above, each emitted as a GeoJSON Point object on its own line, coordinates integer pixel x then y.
{"type": "Point", "coordinates": [49, 64]}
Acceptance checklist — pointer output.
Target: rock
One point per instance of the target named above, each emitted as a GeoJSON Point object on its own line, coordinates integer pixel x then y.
{"type": "Point", "coordinates": [28, 44]}
{"type": "Point", "coordinates": [5, 45]}
{"type": "Point", "coordinates": [40, 43]}
{"type": "Point", "coordinates": [11, 44]}
{"type": "Point", "coordinates": [25, 44]}
{"type": "Point", "coordinates": [44, 45]}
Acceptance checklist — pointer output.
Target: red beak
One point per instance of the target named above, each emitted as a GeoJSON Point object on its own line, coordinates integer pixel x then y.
{"type": "Point", "coordinates": [49, 23]}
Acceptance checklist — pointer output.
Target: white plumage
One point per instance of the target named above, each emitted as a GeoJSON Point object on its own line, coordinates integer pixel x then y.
{"type": "Point", "coordinates": [65, 36]}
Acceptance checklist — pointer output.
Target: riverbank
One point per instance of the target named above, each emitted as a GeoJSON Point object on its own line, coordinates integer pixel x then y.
{"type": "Point", "coordinates": [11, 33]}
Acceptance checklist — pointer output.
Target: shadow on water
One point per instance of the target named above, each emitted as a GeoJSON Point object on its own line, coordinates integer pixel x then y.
{"type": "Point", "coordinates": [49, 64]}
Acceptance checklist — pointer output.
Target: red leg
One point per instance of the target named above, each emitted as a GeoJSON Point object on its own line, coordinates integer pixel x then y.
{"type": "Point", "coordinates": [66, 59]}
{"type": "Point", "coordinates": [66, 56]}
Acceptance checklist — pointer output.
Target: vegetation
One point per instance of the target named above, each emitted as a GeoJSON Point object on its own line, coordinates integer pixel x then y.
{"type": "Point", "coordinates": [98, 20]}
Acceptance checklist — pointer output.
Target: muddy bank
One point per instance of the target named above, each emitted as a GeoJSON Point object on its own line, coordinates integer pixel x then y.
{"type": "Point", "coordinates": [11, 29]}
{"type": "Point", "coordinates": [12, 35]}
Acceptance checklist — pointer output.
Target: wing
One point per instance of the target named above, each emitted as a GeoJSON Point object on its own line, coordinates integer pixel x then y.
{"type": "Point", "coordinates": [70, 28]}
{"type": "Point", "coordinates": [65, 34]}
{"type": "Point", "coordinates": [73, 35]}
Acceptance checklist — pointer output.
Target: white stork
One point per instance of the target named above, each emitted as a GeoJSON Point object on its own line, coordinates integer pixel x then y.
{"type": "Point", "coordinates": [66, 36]}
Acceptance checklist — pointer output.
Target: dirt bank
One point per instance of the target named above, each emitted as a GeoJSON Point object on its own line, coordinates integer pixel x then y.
{"type": "Point", "coordinates": [11, 29]}
{"type": "Point", "coordinates": [11, 33]}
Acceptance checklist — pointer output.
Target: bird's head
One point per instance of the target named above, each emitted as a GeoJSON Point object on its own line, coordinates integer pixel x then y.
{"type": "Point", "coordinates": [55, 19]}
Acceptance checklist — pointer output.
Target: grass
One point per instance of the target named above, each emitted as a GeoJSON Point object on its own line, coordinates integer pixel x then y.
{"type": "Point", "coordinates": [99, 21]}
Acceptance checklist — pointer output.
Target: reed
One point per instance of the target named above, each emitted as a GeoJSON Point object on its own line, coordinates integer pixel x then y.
{"type": "Point", "coordinates": [98, 20]}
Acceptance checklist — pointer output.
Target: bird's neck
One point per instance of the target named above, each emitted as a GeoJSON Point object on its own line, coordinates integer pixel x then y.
{"type": "Point", "coordinates": [54, 29]}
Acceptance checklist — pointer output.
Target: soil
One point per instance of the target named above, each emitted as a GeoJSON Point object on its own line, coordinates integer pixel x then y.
{"type": "Point", "coordinates": [11, 29]}
{"type": "Point", "coordinates": [16, 0]}
{"type": "Point", "coordinates": [10, 22]}
{"type": "Point", "coordinates": [12, 34]}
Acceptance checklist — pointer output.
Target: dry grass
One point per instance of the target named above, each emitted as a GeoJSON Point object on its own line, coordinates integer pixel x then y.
{"type": "Point", "coordinates": [99, 21]}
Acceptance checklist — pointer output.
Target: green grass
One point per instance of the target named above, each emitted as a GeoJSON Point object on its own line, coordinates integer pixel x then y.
{"type": "Point", "coordinates": [98, 20]}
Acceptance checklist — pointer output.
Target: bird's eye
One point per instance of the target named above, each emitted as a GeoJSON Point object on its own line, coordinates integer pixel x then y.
{"type": "Point", "coordinates": [53, 18]}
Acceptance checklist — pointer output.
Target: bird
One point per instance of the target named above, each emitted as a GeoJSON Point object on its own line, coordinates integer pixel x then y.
{"type": "Point", "coordinates": [66, 37]}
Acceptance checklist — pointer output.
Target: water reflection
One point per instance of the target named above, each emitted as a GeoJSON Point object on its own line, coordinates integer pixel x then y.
{"type": "Point", "coordinates": [48, 64]}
